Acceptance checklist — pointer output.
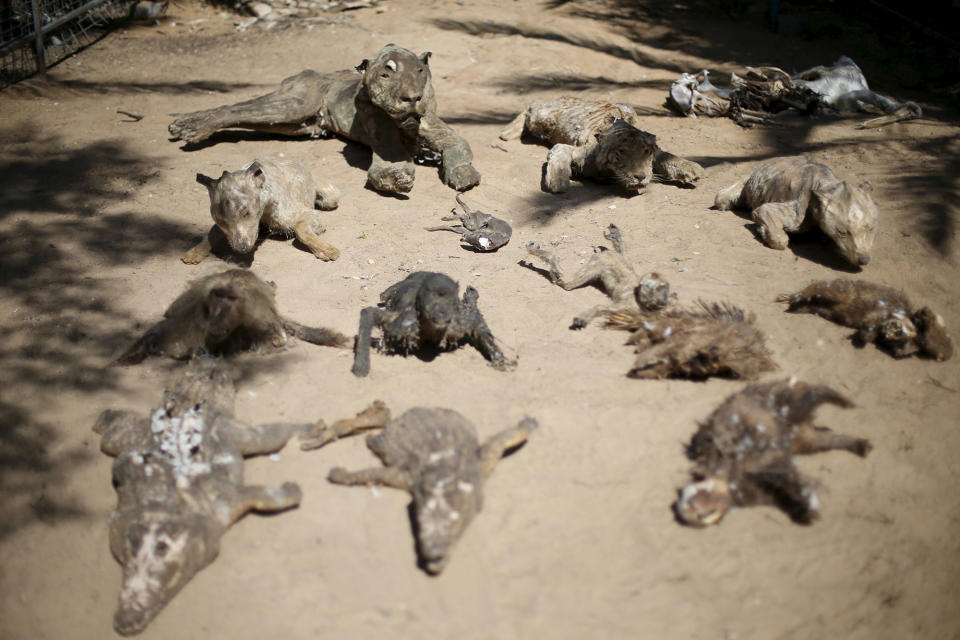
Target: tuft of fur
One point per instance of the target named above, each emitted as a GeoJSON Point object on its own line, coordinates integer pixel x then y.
{"type": "Point", "coordinates": [598, 140]}
{"type": "Point", "coordinates": [880, 314]}
{"type": "Point", "coordinates": [794, 194]}
{"type": "Point", "coordinates": [434, 454]}
{"type": "Point", "coordinates": [223, 314]}
{"type": "Point", "coordinates": [743, 453]}
{"type": "Point", "coordinates": [715, 339]}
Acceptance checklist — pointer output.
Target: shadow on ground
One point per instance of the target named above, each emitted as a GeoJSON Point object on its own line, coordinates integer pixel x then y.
{"type": "Point", "coordinates": [61, 321]}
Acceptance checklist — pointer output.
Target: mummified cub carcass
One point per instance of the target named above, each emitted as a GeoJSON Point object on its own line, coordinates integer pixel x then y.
{"type": "Point", "coordinates": [794, 194]}
{"type": "Point", "coordinates": [178, 474]}
{"type": "Point", "coordinates": [434, 455]}
{"type": "Point", "coordinates": [598, 140]}
{"type": "Point", "coordinates": [610, 269]}
{"type": "Point", "coordinates": [223, 314]}
{"type": "Point", "coordinates": [386, 103]}
{"type": "Point", "coordinates": [272, 194]}
{"type": "Point", "coordinates": [743, 453]}
{"type": "Point", "coordinates": [422, 314]}
{"type": "Point", "coordinates": [880, 314]}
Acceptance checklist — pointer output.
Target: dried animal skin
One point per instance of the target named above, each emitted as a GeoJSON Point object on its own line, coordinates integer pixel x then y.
{"type": "Point", "coordinates": [714, 340]}
{"type": "Point", "coordinates": [880, 314]}
{"type": "Point", "coordinates": [421, 313]}
{"type": "Point", "coordinates": [480, 230]}
{"type": "Point", "coordinates": [617, 278]}
{"type": "Point", "coordinates": [434, 455]}
{"type": "Point", "coordinates": [794, 194]}
{"type": "Point", "coordinates": [178, 474]}
{"type": "Point", "coordinates": [272, 194]}
{"type": "Point", "coordinates": [223, 314]}
{"type": "Point", "coordinates": [386, 103]}
{"type": "Point", "coordinates": [743, 453]}
{"type": "Point", "coordinates": [598, 140]}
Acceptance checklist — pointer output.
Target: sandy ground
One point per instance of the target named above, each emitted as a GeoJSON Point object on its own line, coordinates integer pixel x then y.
{"type": "Point", "coordinates": [577, 538]}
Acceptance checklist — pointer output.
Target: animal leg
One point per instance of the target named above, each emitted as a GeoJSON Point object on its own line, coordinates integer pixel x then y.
{"type": "Point", "coordinates": [728, 198]}
{"type": "Point", "coordinates": [455, 228]}
{"type": "Point", "coordinates": [380, 476]}
{"type": "Point", "coordinates": [586, 274]}
{"type": "Point", "coordinates": [369, 317]}
{"type": "Point", "coordinates": [373, 417]}
{"type": "Point", "coordinates": [199, 252]}
{"type": "Point", "coordinates": [456, 157]}
{"type": "Point", "coordinates": [774, 219]}
{"type": "Point", "coordinates": [515, 129]}
{"type": "Point", "coordinates": [783, 486]}
{"type": "Point", "coordinates": [118, 431]}
{"type": "Point", "coordinates": [391, 169]}
{"type": "Point", "coordinates": [493, 449]}
{"type": "Point", "coordinates": [263, 438]}
{"type": "Point", "coordinates": [559, 169]}
{"type": "Point", "coordinates": [265, 499]}
{"type": "Point", "coordinates": [290, 110]}
{"type": "Point", "coordinates": [316, 335]}
{"type": "Point", "coordinates": [670, 168]}
{"type": "Point", "coordinates": [308, 231]}
{"type": "Point", "coordinates": [585, 318]}
{"type": "Point", "coordinates": [478, 333]}
{"type": "Point", "coordinates": [328, 195]}
{"type": "Point", "coordinates": [814, 439]}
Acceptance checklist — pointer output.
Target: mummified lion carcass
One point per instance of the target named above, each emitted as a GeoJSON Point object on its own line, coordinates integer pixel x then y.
{"type": "Point", "coordinates": [386, 103]}
{"type": "Point", "coordinates": [764, 91]}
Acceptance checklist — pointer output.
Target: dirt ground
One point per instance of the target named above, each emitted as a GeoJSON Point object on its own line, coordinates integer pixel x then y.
{"type": "Point", "coordinates": [577, 538]}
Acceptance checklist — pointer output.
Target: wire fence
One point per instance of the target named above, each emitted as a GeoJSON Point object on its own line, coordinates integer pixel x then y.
{"type": "Point", "coordinates": [35, 34]}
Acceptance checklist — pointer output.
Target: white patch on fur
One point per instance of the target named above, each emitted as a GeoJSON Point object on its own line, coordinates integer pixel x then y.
{"type": "Point", "coordinates": [179, 439]}
{"type": "Point", "coordinates": [141, 583]}
{"type": "Point", "coordinates": [390, 64]}
{"type": "Point", "coordinates": [484, 242]}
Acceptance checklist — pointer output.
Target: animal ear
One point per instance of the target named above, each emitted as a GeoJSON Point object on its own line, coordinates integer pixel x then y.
{"type": "Point", "coordinates": [362, 66]}
{"type": "Point", "coordinates": [206, 181]}
{"type": "Point", "coordinates": [425, 56]}
{"type": "Point", "coordinates": [256, 171]}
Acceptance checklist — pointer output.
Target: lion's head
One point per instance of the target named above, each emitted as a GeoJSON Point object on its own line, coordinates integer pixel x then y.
{"type": "Point", "coordinates": [626, 154]}
{"type": "Point", "coordinates": [398, 82]}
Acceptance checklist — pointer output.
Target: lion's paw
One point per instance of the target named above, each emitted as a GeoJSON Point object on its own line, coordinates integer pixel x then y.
{"type": "Point", "coordinates": [463, 177]}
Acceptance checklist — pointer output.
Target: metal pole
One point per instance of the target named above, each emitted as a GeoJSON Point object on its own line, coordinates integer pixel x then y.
{"type": "Point", "coordinates": [38, 48]}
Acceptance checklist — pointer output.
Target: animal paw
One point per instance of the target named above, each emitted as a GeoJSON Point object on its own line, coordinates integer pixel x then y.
{"type": "Point", "coordinates": [391, 179]}
{"type": "Point", "coordinates": [191, 129]}
{"type": "Point", "coordinates": [578, 323]}
{"type": "Point", "coordinates": [338, 475]}
{"type": "Point", "coordinates": [193, 257]}
{"type": "Point", "coordinates": [463, 177]}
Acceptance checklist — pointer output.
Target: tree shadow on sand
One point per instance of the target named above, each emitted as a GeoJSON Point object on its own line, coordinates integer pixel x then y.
{"type": "Point", "coordinates": [60, 323]}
